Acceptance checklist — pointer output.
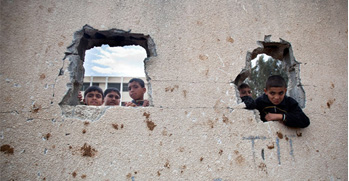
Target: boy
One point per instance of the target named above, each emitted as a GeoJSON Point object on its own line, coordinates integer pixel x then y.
{"type": "Point", "coordinates": [274, 105]}
{"type": "Point", "coordinates": [112, 97]}
{"type": "Point", "coordinates": [93, 96]}
{"type": "Point", "coordinates": [246, 96]}
{"type": "Point", "coordinates": [136, 90]}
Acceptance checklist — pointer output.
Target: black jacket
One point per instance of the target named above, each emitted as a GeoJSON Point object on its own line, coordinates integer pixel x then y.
{"type": "Point", "coordinates": [295, 117]}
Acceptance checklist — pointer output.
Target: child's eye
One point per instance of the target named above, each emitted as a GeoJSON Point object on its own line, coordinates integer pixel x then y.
{"type": "Point", "coordinates": [98, 96]}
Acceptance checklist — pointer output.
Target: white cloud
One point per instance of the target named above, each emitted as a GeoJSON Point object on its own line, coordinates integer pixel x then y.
{"type": "Point", "coordinates": [115, 61]}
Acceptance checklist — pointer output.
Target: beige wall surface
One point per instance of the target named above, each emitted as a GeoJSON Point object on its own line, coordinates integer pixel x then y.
{"type": "Point", "coordinates": [196, 129]}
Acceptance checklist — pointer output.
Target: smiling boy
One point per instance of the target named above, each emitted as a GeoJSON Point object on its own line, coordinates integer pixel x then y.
{"type": "Point", "coordinates": [274, 105]}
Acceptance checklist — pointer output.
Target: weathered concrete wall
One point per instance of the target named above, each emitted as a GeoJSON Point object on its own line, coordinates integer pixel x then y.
{"type": "Point", "coordinates": [196, 129]}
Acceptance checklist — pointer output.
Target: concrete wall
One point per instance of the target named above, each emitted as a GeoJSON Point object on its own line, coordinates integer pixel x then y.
{"type": "Point", "coordinates": [196, 129]}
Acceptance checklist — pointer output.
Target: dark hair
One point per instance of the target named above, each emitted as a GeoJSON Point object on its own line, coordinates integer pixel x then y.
{"type": "Point", "coordinates": [111, 89]}
{"type": "Point", "coordinates": [243, 86]}
{"type": "Point", "coordinates": [93, 88]}
{"type": "Point", "coordinates": [275, 81]}
{"type": "Point", "coordinates": [140, 81]}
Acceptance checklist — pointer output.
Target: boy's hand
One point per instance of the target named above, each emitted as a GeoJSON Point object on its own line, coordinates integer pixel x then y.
{"type": "Point", "coordinates": [80, 96]}
{"type": "Point", "coordinates": [145, 103]}
{"type": "Point", "coordinates": [273, 117]}
{"type": "Point", "coordinates": [130, 104]}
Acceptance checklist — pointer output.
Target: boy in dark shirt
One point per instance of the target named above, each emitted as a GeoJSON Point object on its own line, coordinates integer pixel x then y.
{"type": "Point", "coordinates": [136, 91]}
{"type": "Point", "coordinates": [246, 96]}
{"type": "Point", "coordinates": [274, 105]}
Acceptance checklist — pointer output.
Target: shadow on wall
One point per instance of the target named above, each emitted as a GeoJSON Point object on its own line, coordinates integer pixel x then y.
{"type": "Point", "coordinates": [290, 67]}
{"type": "Point", "coordinates": [87, 38]}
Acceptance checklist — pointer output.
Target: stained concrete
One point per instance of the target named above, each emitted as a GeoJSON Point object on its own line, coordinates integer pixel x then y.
{"type": "Point", "coordinates": [196, 128]}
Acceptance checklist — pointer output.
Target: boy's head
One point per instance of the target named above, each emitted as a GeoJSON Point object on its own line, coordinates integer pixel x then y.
{"type": "Point", "coordinates": [244, 90]}
{"type": "Point", "coordinates": [136, 89]}
{"type": "Point", "coordinates": [93, 96]}
{"type": "Point", "coordinates": [112, 96]}
{"type": "Point", "coordinates": [275, 89]}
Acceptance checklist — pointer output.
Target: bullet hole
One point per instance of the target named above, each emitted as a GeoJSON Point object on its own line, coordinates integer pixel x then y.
{"type": "Point", "coordinates": [74, 174]}
{"type": "Point", "coordinates": [159, 173]}
{"type": "Point", "coordinates": [203, 57]}
{"type": "Point", "coordinates": [271, 146]}
{"type": "Point", "coordinates": [167, 164]}
{"type": "Point", "coordinates": [330, 102]}
{"type": "Point", "coordinates": [88, 151]}
{"type": "Point", "coordinates": [183, 168]}
{"type": "Point", "coordinates": [225, 119]}
{"type": "Point", "coordinates": [230, 39]}
{"type": "Point", "coordinates": [146, 115]}
{"type": "Point", "coordinates": [42, 76]}
{"type": "Point", "coordinates": [7, 149]}
{"type": "Point", "coordinates": [35, 108]}
{"type": "Point", "coordinates": [129, 175]}
{"type": "Point", "coordinates": [286, 138]}
{"type": "Point", "coordinates": [332, 85]}
{"type": "Point", "coordinates": [299, 134]}
{"type": "Point", "coordinates": [181, 149]}
{"type": "Point", "coordinates": [86, 123]}
{"type": "Point", "coordinates": [201, 159]}
{"type": "Point", "coordinates": [220, 152]}
{"type": "Point", "coordinates": [236, 152]}
{"type": "Point", "coordinates": [171, 89]}
{"type": "Point", "coordinates": [283, 62]}
{"type": "Point", "coordinates": [83, 131]}
{"type": "Point", "coordinates": [279, 134]}
{"type": "Point", "coordinates": [87, 38]}
{"type": "Point", "coordinates": [185, 93]}
{"type": "Point", "coordinates": [317, 150]}
{"type": "Point", "coordinates": [70, 147]}
{"type": "Point", "coordinates": [263, 167]}
{"type": "Point", "coordinates": [151, 125]}
{"type": "Point", "coordinates": [83, 176]}
{"type": "Point", "coordinates": [115, 126]}
{"type": "Point", "coordinates": [67, 134]}
{"type": "Point", "coordinates": [47, 136]}
{"type": "Point", "coordinates": [240, 160]}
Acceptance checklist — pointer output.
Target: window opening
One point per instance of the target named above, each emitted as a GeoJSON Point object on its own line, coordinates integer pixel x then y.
{"type": "Point", "coordinates": [262, 67]}
{"type": "Point", "coordinates": [115, 66]}
{"type": "Point", "coordinates": [280, 60]}
{"type": "Point", "coordinates": [87, 38]}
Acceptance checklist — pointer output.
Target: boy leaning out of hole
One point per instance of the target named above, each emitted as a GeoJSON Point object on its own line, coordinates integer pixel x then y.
{"type": "Point", "coordinates": [136, 91]}
{"type": "Point", "coordinates": [246, 96]}
{"type": "Point", "coordinates": [274, 105]}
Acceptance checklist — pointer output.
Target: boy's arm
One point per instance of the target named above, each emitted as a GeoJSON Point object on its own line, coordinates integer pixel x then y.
{"type": "Point", "coordinates": [295, 117]}
{"type": "Point", "coordinates": [249, 102]}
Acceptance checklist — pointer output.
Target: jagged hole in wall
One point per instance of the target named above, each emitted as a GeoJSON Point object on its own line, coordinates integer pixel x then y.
{"type": "Point", "coordinates": [113, 67]}
{"type": "Point", "coordinates": [87, 38]}
{"type": "Point", "coordinates": [272, 58]}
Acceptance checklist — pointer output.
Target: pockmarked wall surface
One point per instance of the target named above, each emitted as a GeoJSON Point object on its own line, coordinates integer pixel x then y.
{"type": "Point", "coordinates": [197, 127]}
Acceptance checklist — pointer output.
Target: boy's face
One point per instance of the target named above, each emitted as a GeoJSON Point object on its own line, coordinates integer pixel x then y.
{"type": "Point", "coordinates": [275, 94]}
{"type": "Point", "coordinates": [245, 92]}
{"type": "Point", "coordinates": [112, 99]}
{"type": "Point", "coordinates": [136, 91]}
{"type": "Point", "coordinates": [93, 98]}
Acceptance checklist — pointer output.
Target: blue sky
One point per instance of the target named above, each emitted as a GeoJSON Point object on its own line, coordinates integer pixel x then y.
{"type": "Point", "coordinates": [115, 61]}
